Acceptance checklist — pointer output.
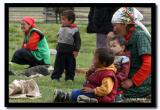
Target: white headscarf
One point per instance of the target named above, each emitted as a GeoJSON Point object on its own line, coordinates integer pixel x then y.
{"type": "Point", "coordinates": [129, 15]}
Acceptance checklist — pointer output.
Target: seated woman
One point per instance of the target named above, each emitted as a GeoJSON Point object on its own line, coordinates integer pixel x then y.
{"type": "Point", "coordinates": [126, 22]}
{"type": "Point", "coordinates": [35, 50]}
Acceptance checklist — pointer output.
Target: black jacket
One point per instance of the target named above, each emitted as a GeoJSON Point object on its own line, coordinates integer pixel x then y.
{"type": "Point", "coordinates": [99, 19]}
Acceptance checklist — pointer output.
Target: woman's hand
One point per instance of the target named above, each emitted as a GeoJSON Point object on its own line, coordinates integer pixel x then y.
{"type": "Point", "coordinates": [87, 90]}
{"type": "Point", "coordinates": [127, 83]}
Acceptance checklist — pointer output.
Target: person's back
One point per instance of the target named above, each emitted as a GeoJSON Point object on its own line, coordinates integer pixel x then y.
{"type": "Point", "coordinates": [99, 22]}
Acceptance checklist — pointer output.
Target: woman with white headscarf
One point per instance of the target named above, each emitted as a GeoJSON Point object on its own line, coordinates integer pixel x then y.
{"type": "Point", "coordinates": [126, 21]}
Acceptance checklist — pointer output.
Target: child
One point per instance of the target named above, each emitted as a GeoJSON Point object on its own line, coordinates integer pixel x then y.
{"type": "Point", "coordinates": [35, 50]}
{"type": "Point", "coordinates": [122, 60]}
{"type": "Point", "coordinates": [101, 84]}
{"type": "Point", "coordinates": [68, 46]}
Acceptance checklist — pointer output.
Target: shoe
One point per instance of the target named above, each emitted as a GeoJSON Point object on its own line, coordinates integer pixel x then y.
{"type": "Point", "coordinates": [60, 96]}
{"type": "Point", "coordinates": [119, 98]}
{"type": "Point", "coordinates": [69, 81]}
{"type": "Point", "coordinates": [86, 99]}
{"type": "Point", "coordinates": [56, 80]}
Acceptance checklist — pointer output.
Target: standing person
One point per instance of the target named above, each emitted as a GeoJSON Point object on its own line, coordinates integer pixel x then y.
{"type": "Point", "coordinates": [35, 50]}
{"type": "Point", "coordinates": [100, 85]}
{"type": "Point", "coordinates": [68, 46]}
{"type": "Point", "coordinates": [126, 21]}
{"type": "Point", "coordinates": [99, 22]}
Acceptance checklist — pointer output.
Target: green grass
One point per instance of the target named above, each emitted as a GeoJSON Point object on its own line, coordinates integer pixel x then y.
{"type": "Point", "coordinates": [45, 84]}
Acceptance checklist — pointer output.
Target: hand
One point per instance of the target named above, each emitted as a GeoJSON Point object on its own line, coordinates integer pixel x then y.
{"type": "Point", "coordinates": [75, 53]}
{"type": "Point", "coordinates": [25, 45]}
{"type": "Point", "coordinates": [110, 35]}
{"type": "Point", "coordinates": [127, 83]}
{"type": "Point", "coordinates": [92, 68]}
{"type": "Point", "coordinates": [87, 90]}
{"type": "Point", "coordinates": [117, 65]}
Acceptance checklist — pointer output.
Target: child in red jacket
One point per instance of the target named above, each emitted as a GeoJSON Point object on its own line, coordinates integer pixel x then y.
{"type": "Point", "coordinates": [100, 85]}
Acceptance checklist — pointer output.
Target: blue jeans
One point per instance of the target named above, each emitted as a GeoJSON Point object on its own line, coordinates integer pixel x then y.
{"type": "Point", "coordinates": [75, 93]}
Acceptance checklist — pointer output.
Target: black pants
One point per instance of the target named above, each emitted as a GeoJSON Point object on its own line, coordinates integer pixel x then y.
{"type": "Point", "coordinates": [24, 57]}
{"type": "Point", "coordinates": [64, 61]}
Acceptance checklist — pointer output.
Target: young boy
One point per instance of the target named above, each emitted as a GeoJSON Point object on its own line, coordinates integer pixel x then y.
{"type": "Point", "coordinates": [68, 46]}
{"type": "Point", "coordinates": [122, 61]}
{"type": "Point", "coordinates": [100, 86]}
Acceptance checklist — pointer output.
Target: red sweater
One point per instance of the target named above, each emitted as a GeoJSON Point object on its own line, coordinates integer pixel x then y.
{"type": "Point", "coordinates": [144, 71]}
{"type": "Point", "coordinates": [32, 43]}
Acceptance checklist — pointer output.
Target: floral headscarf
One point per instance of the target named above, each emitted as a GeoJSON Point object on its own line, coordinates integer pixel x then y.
{"type": "Point", "coordinates": [129, 15]}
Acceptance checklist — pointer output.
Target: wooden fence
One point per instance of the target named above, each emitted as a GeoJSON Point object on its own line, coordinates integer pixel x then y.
{"type": "Point", "coordinates": [45, 15]}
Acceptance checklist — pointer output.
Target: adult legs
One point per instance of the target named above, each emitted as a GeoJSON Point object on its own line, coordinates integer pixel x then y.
{"type": "Point", "coordinates": [101, 40]}
{"type": "Point", "coordinates": [25, 57]}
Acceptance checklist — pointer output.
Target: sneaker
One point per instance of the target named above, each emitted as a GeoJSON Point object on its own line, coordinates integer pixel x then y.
{"type": "Point", "coordinates": [86, 99]}
{"type": "Point", "coordinates": [61, 96]}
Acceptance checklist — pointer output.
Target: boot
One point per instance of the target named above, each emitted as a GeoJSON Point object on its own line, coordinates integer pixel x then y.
{"type": "Point", "coordinates": [86, 99]}
{"type": "Point", "coordinates": [61, 96]}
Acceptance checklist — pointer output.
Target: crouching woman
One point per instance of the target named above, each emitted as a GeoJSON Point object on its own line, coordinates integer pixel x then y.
{"type": "Point", "coordinates": [35, 50]}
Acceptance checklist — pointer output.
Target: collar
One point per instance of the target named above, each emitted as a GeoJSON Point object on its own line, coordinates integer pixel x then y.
{"type": "Point", "coordinates": [129, 34]}
{"type": "Point", "coordinates": [111, 67]}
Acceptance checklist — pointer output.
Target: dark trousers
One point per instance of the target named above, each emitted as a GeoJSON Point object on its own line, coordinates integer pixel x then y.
{"type": "Point", "coordinates": [25, 57]}
{"type": "Point", "coordinates": [64, 61]}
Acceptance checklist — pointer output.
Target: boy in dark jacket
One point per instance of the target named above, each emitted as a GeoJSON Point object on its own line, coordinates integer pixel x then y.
{"type": "Point", "coordinates": [68, 46]}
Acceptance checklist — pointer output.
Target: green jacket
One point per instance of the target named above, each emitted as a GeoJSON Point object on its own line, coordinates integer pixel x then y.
{"type": "Point", "coordinates": [43, 52]}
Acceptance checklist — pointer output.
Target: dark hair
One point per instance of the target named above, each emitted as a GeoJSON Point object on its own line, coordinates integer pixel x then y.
{"type": "Point", "coordinates": [69, 14]}
{"type": "Point", "coordinates": [105, 56]}
{"type": "Point", "coordinates": [120, 39]}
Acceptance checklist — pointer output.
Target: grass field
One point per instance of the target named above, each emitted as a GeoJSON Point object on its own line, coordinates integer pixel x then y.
{"type": "Point", "coordinates": [45, 84]}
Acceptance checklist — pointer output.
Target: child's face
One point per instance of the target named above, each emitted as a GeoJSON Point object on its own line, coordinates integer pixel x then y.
{"type": "Point", "coordinates": [25, 26]}
{"type": "Point", "coordinates": [65, 21]}
{"type": "Point", "coordinates": [96, 62]}
{"type": "Point", "coordinates": [116, 47]}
